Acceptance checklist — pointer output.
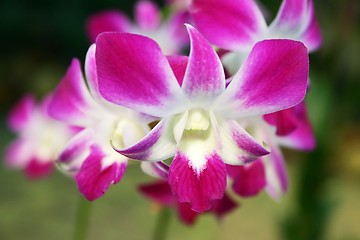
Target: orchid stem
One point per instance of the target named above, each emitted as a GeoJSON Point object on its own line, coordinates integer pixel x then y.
{"type": "Point", "coordinates": [162, 224]}
{"type": "Point", "coordinates": [82, 219]}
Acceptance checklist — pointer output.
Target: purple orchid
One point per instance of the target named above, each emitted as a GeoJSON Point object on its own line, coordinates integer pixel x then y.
{"type": "Point", "coordinates": [160, 192]}
{"type": "Point", "coordinates": [40, 138]}
{"type": "Point", "coordinates": [89, 155]}
{"type": "Point", "coordinates": [198, 114]}
{"type": "Point", "coordinates": [240, 24]}
{"type": "Point", "coordinates": [170, 34]}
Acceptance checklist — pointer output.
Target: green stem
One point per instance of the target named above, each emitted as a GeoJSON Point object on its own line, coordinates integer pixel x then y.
{"type": "Point", "coordinates": [82, 219]}
{"type": "Point", "coordinates": [162, 224]}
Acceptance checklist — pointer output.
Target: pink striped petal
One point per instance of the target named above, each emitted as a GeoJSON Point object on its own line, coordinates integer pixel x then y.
{"type": "Point", "coordinates": [159, 192]}
{"type": "Point", "coordinates": [36, 169]}
{"type": "Point", "coordinates": [204, 77]}
{"type": "Point", "coordinates": [229, 24]}
{"type": "Point", "coordinates": [274, 77]}
{"type": "Point", "coordinates": [276, 176]}
{"type": "Point", "coordinates": [198, 188]}
{"type": "Point", "coordinates": [249, 180]}
{"type": "Point", "coordinates": [159, 144]}
{"type": "Point", "coordinates": [21, 114]}
{"type": "Point", "coordinates": [107, 21]}
{"type": "Point", "coordinates": [147, 15]}
{"type": "Point", "coordinates": [71, 101]}
{"type": "Point", "coordinates": [178, 64]}
{"type": "Point", "coordinates": [93, 180]}
{"type": "Point", "coordinates": [133, 72]}
{"type": "Point", "coordinates": [238, 146]}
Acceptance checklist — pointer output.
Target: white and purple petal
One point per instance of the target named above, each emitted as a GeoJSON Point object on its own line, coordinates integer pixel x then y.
{"type": "Point", "coordinates": [71, 101]}
{"type": "Point", "coordinates": [93, 178]}
{"type": "Point", "coordinates": [133, 72]}
{"type": "Point", "coordinates": [204, 77]}
{"type": "Point", "coordinates": [273, 77]}
{"type": "Point", "coordinates": [199, 188]}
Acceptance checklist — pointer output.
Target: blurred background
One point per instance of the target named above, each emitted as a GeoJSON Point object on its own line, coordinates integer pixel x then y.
{"type": "Point", "coordinates": [38, 40]}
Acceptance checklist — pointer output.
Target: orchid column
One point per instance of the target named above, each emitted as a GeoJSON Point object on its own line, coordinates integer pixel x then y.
{"type": "Point", "coordinates": [198, 113]}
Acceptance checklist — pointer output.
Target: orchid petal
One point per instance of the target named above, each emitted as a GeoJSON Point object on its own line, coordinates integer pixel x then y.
{"type": "Point", "coordinates": [90, 72]}
{"type": "Point", "coordinates": [147, 15]}
{"type": "Point", "coordinates": [133, 72]}
{"type": "Point", "coordinates": [274, 77]}
{"type": "Point", "coordinates": [157, 145]}
{"type": "Point", "coordinates": [238, 146]}
{"type": "Point", "coordinates": [249, 180]}
{"type": "Point", "coordinates": [71, 101]}
{"type": "Point", "coordinates": [204, 77]}
{"type": "Point", "coordinates": [285, 121]}
{"type": "Point", "coordinates": [175, 27]}
{"type": "Point", "coordinates": [107, 21]}
{"type": "Point", "coordinates": [157, 169]}
{"type": "Point", "coordinates": [18, 153]}
{"type": "Point", "coordinates": [158, 191]}
{"type": "Point", "coordinates": [312, 37]}
{"type": "Point", "coordinates": [276, 176]}
{"type": "Point", "coordinates": [93, 179]}
{"type": "Point", "coordinates": [36, 169]}
{"type": "Point", "coordinates": [178, 64]}
{"type": "Point", "coordinates": [199, 188]}
{"type": "Point", "coordinates": [21, 114]}
{"type": "Point", "coordinates": [186, 214]}
{"type": "Point", "coordinates": [224, 206]}
{"type": "Point", "coordinates": [229, 24]}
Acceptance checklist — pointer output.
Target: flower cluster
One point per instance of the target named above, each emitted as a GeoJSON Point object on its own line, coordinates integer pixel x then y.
{"type": "Point", "coordinates": [219, 114]}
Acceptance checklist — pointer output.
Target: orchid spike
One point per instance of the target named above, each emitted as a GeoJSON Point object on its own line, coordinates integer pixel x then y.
{"type": "Point", "coordinates": [89, 155]}
{"type": "Point", "coordinates": [198, 117]}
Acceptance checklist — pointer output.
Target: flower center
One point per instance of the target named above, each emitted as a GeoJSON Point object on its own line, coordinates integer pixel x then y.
{"type": "Point", "coordinates": [198, 120]}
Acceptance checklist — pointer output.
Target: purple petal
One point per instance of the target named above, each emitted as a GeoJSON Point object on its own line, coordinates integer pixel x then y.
{"type": "Point", "coordinates": [21, 114]}
{"type": "Point", "coordinates": [159, 192]}
{"type": "Point", "coordinates": [107, 21]}
{"type": "Point", "coordinates": [204, 77]}
{"type": "Point", "coordinates": [71, 101]}
{"type": "Point", "coordinates": [186, 214]}
{"type": "Point", "coordinates": [302, 138]}
{"type": "Point", "coordinates": [36, 169]}
{"type": "Point", "coordinates": [133, 72]}
{"type": "Point", "coordinates": [198, 188]}
{"type": "Point", "coordinates": [229, 24]}
{"type": "Point", "coordinates": [274, 77]}
{"type": "Point", "coordinates": [178, 64]}
{"type": "Point", "coordinates": [312, 37]}
{"type": "Point", "coordinates": [224, 206]}
{"type": "Point", "coordinates": [93, 180]}
{"type": "Point", "coordinates": [276, 176]}
{"type": "Point", "coordinates": [291, 14]}
{"type": "Point", "coordinates": [147, 15]}
{"type": "Point", "coordinates": [157, 145]}
{"type": "Point", "coordinates": [175, 27]}
{"type": "Point", "coordinates": [249, 180]}
{"type": "Point", "coordinates": [285, 121]}
{"type": "Point", "coordinates": [238, 146]}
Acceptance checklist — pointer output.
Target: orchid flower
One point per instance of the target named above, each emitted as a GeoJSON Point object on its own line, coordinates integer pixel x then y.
{"type": "Point", "coordinates": [240, 24]}
{"type": "Point", "coordinates": [40, 138]}
{"type": "Point", "coordinates": [160, 192]}
{"type": "Point", "coordinates": [289, 128]}
{"type": "Point", "coordinates": [170, 34]}
{"type": "Point", "coordinates": [89, 155]}
{"type": "Point", "coordinates": [198, 114]}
